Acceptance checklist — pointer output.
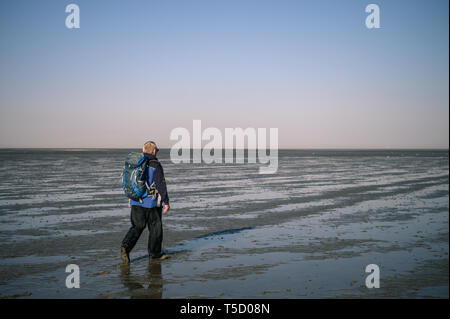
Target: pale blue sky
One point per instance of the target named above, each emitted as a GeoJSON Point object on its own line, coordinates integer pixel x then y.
{"type": "Point", "coordinates": [137, 69]}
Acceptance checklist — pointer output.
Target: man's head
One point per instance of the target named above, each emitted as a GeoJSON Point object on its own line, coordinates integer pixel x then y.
{"type": "Point", "coordinates": [150, 148]}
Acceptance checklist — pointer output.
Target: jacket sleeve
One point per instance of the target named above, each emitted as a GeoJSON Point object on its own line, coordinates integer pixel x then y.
{"type": "Point", "coordinates": [160, 183]}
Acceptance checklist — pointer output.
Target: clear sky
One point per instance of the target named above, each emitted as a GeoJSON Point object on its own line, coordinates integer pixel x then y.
{"type": "Point", "coordinates": [135, 70]}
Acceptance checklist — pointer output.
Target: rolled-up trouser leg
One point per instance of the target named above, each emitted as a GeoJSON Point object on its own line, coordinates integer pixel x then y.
{"type": "Point", "coordinates": [138, 221]}
{"type": "Point", "coordinates": [156, 232]}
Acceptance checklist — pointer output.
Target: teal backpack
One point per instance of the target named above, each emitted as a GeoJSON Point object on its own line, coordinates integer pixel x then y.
{"type": "Point", "coordinates": [134, 177]}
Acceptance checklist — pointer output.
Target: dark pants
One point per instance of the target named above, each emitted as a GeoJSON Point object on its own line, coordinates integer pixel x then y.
{"type": "Point", "coordinates": [141, 217]}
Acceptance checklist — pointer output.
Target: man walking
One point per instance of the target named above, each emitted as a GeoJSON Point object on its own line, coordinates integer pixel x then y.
{"type": "Point", "coordinates": [147, 212]}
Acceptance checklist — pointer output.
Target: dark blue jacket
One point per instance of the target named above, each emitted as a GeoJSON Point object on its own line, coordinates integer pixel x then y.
{"type": "Point", "coordinates": [155, 174]}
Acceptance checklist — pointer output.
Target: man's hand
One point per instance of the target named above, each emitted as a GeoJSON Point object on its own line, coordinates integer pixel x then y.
{"type": "Point", "coordinates": [166, 208]}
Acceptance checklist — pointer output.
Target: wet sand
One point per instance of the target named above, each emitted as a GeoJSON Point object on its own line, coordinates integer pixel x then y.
{"type": "Point", "coordinates": [308, 231]}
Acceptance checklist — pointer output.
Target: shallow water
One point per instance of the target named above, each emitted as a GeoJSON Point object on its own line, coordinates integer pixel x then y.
{"type": "Point", "coordinates": [308, 231]}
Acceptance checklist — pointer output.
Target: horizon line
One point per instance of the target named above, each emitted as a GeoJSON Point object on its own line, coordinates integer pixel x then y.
{"type": "Point", "coordinates": [245, 149]}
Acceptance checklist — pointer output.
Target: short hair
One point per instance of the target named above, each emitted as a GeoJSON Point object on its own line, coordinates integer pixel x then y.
{"type": "Point", "coordinates": [149, 147]}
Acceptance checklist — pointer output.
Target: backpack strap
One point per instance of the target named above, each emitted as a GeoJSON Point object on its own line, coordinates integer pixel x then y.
{"type": "Point", "coordinates": [151, 189]}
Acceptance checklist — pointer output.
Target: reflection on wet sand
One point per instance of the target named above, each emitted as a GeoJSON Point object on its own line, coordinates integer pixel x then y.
{"type": "Point", "coordinates": [148, 286]}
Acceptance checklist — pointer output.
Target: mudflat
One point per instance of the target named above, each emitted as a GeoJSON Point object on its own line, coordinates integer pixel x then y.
{"type": "Point", "coordinates": [308, 231]}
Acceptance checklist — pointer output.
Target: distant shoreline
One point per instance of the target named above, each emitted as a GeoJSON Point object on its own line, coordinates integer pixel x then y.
{"type": "Point", "coordinates": [280, 149]}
